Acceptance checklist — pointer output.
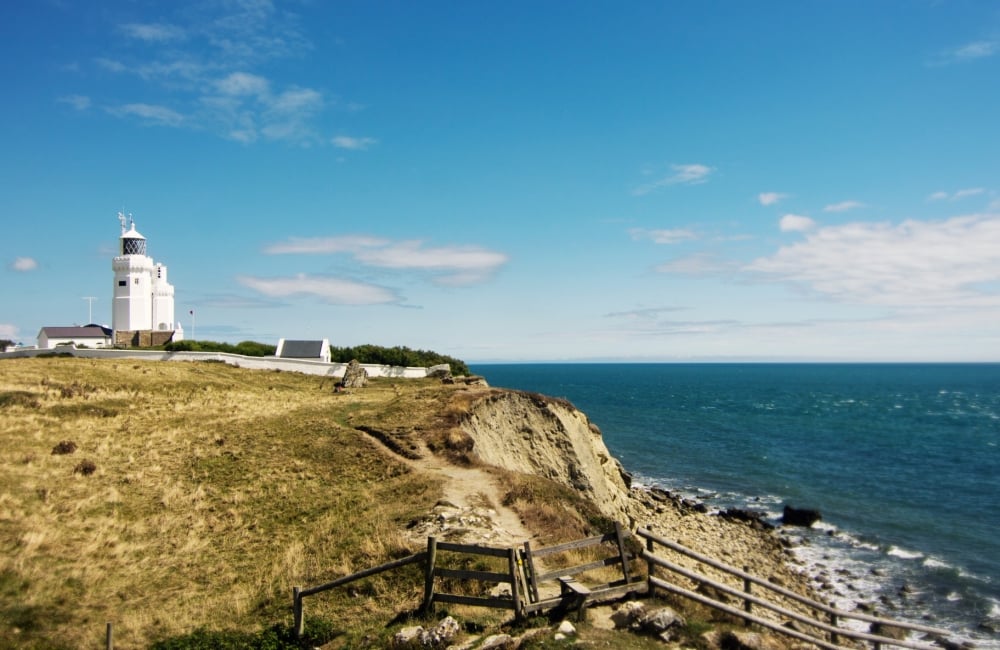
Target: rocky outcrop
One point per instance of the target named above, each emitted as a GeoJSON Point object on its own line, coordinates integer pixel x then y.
{"type": "Point", "coordinates": [543, 436]}
{"type": "Point", "coordinates": [354, 375]}
{"type": "Point", "coordinates": [799, 516]}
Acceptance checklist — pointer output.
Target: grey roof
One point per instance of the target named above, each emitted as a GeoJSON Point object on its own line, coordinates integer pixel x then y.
{"type": "Point", "coordinates": [77, 332]}
{"type": "Point", "coordinates": [302, 349]}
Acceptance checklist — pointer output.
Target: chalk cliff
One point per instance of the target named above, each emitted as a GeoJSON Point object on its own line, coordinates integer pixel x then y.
{"type": "Point", "coordinates": [543, 436]}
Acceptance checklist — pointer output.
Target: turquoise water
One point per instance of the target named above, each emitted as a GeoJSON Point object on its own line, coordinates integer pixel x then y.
{"type": "Point", "coordinates": [903, 461]}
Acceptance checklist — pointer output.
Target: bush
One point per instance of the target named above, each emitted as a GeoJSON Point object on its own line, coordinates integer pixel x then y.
{"type": "Point", "coordinates": [397, 356]}
{"type": "Point", "coordinates": [246, 348]}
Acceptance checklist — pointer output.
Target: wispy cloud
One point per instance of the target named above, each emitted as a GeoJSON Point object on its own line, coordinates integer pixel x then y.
{"type": "Point", "coordinates": [687, 174]}
{"type": "Point", "coordinates": [449, 265]}
{"type": "Point", "coordinates": [8, 331]}
{"type": "Point", "coordinates": [149, 113]}
{"type": "Point", "coordinates": [23, 264]}
{"type": "Point", "coordinates": [662, 236]}
{"type": "Point", "coordinates": [79, 102]}
{"type": "Point", "coordinates": [796, 223]}
{"type": "Point", "coordinates": [699, 264]}
{"type": "Point", "coordinates": [324, 245]}
{"type": "Point", "coordinates": [911, 264]}
{"type": "Point", "coordinates": [956, 196]}
{"type": "Point", "coordinates": [347, 142]}
{"type": "Point", "coordinates": [205, 61]}
{"type": "Point", "coordinates": [153, 32]}
{"type": "Point", "coordinates": [771, 198]}
{"type": "Point", "coordinates": [335, 291]}
{"type": "Point", "coordinates": [966, 53]}
{"type": "Point", "coordinates": [644, 313]}
{"type": "Point", "coordinates": [844, 206]}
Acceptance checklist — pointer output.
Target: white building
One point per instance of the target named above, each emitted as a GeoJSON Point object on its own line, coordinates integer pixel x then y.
{"type": "Point", "coordinates": [143, 299]}
{"type": "Point", "coordinates": [90, 336]}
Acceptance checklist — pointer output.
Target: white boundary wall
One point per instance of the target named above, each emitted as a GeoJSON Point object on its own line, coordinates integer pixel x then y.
{"type": "Point", "coordinates": [255, 363]}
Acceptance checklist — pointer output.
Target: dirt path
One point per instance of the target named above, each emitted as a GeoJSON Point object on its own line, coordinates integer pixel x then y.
{"type": "Point", "coordinates": [470, 510]}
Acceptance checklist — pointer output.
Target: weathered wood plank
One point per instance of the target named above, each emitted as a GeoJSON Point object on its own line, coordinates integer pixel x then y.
{"type": "Point", "coordinates": [467, 574]}
{"type": "Point", "coordinates": [472, 549]}
{"type": "Point", "coordinates": [495, 603]}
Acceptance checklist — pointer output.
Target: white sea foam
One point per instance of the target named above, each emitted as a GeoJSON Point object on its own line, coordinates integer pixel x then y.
{"type": "Point", "coordinates": [904, 554]}
{"type": "Point", "coordinates": [954, 596]}
{"type": "Point", "coordinates": [934, 563]}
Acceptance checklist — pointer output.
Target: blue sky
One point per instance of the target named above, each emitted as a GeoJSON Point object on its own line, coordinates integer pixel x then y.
{"type": "Point", "coordinates": [515, 181]}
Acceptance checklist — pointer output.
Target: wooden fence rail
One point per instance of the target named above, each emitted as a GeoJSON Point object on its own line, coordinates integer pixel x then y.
{"type": "Point", "coordinates": [521, 574]}
{"type": "Point", "coordinates": [749, 599]}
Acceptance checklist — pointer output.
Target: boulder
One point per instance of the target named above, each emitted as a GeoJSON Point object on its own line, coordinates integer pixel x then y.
{"type": "Point", "coordinates": [354, 376]}
{"type": "Point", "coordinates": [498, 642]}
{"type": "Point", "coordinates": [627, 614]}
{"type": "Point", "coordinates": [659, 621]}
{"type": "Point", "coordinates": [799, 516]}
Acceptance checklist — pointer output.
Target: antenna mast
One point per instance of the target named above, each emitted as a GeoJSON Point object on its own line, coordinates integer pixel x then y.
{"type": "Point", "coordinates": [90, 308]}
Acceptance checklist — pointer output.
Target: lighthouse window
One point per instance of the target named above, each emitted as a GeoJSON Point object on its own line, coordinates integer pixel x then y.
{"type": "Point", "coordinates": [136, 281]}
{"type": "Point", "coordinates": [122, 283]}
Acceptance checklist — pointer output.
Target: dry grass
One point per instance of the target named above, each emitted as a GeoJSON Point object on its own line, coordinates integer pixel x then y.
{"type": "Point", "coordinates": [213, 491]}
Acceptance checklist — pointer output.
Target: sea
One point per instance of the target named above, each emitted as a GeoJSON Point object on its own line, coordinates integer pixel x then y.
{"type": "Point", "coordinates": [901, 460]}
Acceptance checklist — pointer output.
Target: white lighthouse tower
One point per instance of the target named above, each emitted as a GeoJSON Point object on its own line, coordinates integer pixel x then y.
{"type": "Point", "coordinates": [143, 299]}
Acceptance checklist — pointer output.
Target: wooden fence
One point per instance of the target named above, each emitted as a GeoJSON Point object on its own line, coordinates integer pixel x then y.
{"type": "Point", "coordinates": [522, 576]}
{"type": "Point", "coordinates": [815, 627]}
{"type": "Point", "coordinates": [527, 597]}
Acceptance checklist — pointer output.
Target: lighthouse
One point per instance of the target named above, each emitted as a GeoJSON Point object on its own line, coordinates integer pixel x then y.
{"type": "Point", "coordinates": [143, 304]}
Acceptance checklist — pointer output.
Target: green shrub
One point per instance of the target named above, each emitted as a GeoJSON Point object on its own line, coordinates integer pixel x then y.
{"type": "Point", "coordinates": [397, 356]}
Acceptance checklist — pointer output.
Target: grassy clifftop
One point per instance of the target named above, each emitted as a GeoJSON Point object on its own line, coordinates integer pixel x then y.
{"type": "Point", "coordinates": [198, 494]}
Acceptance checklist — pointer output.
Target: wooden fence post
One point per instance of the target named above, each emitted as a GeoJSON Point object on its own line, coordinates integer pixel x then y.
{"type": "Point", "coordinates": [876, 628]}
{"type": "Point", "coordinates": [529, 567]}
{"type": "Point", "coordinates": [429, 576]}
{"type": "Point", "coordinates": [834, 638]}
{"type": "Point", "coordinates": [297, 619]}
{"type": "Point", "coordinates": [514, 590]}
{"type": "Point", "coordinates": [650, 567]}
{"type": "Point", "coordinates": [747, 605]}
{"type": "Point", "coordinates": [622, 551]}
{"type": "Point", "coordinates": [109, 637]}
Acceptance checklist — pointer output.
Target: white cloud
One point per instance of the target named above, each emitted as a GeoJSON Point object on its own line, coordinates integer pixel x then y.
{"type": "Point", "coordinates": [160, 115]}
{"type": "Point", "coordinates": [153, 32]}
{"type": "Point", "coordinates": [23, 264]}
{"type": "Point", "coordinates": [844, 206]}
{"type": "Point", "coordinates": [209, 70]}
{"type": "Point", "coordinates": [453, 265]}
{"type": "Point", "coordinates": [347, 142]}
{"type": "Point", "coordinates": [965, 53]}
{"type": "Point", "coordinates": [325, 245]}
{"type": "Point", "coordinates": [334, 291]}
{"type": "Point", "coordinates": [662, 236]}
{"type": "Point", "coordinates": [8, 331]}
{"type": "Point", "coordinates": [770, 198]}
{"type": "Point", "coordinates": [688, 174]}
{"type": "Point", "coordinates": [296, 101]}
{"type": "Point", "coordinates": [796, 223]}
{"type": "Point", "coordinates": [912, 264]}
{"type": "Point", "coordinates": [696, 264]}
{"type": "Point", "coordinates": [958, 195]}
{"type": "Point", "coordinates": [79, 102]}
{"type": "Point", "coordinates": [976, 50]}
{"type": "Point", "coordinates": [972, 191]}
{"type": "Point", "coordinates": [243, 83]}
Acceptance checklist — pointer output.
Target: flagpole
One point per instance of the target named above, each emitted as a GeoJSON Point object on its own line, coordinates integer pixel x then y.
{"type": "Point", "coordinates": [192, 324]}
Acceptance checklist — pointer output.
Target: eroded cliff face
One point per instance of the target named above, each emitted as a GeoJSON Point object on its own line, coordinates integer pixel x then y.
{"type": "Point", "coordinates": [543, 436]}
